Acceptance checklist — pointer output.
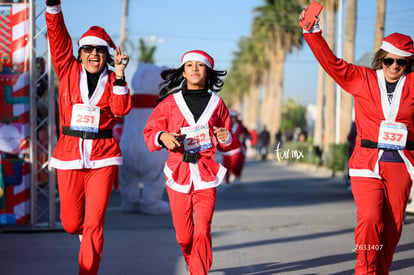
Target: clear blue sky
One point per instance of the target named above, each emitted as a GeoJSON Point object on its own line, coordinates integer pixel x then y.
{"type": "Point", "coordinates": [216, 27]}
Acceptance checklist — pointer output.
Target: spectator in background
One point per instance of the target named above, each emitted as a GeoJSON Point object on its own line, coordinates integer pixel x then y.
{"type": "Point", "coordinates": [351, 139]}
{"type": "Point", "coordinates": [264, 140]}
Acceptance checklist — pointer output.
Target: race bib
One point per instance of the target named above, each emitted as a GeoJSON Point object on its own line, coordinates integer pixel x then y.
{"type": "Point", "coordinates": [85, 118]}
{"type": "Point", "coordinates": [392, 135]}
{"type": "Point", "coordinates": [197, 138]}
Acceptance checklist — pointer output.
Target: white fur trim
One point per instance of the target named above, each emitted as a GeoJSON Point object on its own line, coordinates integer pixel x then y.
{"type": "Point", "coordinates": [54, 9]}
{"type": "Point", "coordinates": [197, 57]}
{"type": "Point", "coordinates": [231, 152]}
{"type": "Point", "coordinates": [228, 140]}
{"type": "Point", "coordinates": [93, 40]}
{"type": "Point", "coordinates": [366, 173]}
{"type": "Point", "coordinates": [156, 138]}
{"type": "Point", "coordinates": [78, 164]}
{"type": "Point", "coordinates": [315, 28]}
{"type": "Point", "coordinates": [386, 46]}
{"type": "Point", "coordinates": [121, 90]}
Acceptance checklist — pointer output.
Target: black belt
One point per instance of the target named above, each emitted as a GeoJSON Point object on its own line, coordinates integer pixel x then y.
{"type": "Point", "coordinates": [86, 135]}
{"type": "Point", "coordinates": [373, 145]}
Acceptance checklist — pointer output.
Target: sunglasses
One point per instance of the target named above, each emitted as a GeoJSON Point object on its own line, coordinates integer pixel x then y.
{"type": "Point", "coordinates": [90, 48]}
{"type": "Point", "coordinates": [389, 61]}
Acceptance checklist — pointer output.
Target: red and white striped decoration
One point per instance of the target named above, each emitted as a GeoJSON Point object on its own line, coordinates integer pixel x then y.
{"type": "Point", "coordinates": [15, 101]}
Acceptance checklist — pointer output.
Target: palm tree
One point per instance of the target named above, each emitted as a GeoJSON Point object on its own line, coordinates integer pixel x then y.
{"type": "Point", "coordinates": [244, 78]}
{"type": "Point", "coordinates": [318, 130]}
{"type": "Point", "coordinates": [379, 24]}
{"type": "Point", "coordinates": [346, 98]}
{"type": "Point", "coordinates": [329, 126]}
{"type": "Point", "coordinates": [277, 21]}
{"type": "Point", "coordinates": [146, 52]}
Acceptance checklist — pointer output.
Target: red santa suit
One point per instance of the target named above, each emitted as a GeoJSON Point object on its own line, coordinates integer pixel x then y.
{"type": "Point", "coordinates": [234, 160]}
{"type": "Point", "coordinates": [380, 188]}
{"type": "Point", "coordinates": [86, 159]}
{"type": "Point", "coordinates": [191, 186]}
{"type": "Point", "coordinates": [171, 115]}
{"type": "Point", "coordinates": [140, 165]}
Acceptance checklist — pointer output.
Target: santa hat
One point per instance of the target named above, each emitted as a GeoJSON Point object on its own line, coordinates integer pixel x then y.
{"type": "Point", "coordinates": [96, 36]}
{"type": "Point", "coordinates": [398, 44]}
{"type": "Point", "coordinates": [198, 55]}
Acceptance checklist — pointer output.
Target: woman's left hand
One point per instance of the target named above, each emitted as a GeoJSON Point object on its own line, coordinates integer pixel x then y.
{"type": "Point", "coordinates": [121, 61]}
{"type": "Point", "coordinates": [221, 133]}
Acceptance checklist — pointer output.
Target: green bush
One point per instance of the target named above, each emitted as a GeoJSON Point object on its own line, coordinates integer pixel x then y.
{"type": "Point", "coordinates": [305, 152]}
{"type": "Point", "coordinates": [337, 156]}
{"type": "Point", "coordinates": [301, 152]}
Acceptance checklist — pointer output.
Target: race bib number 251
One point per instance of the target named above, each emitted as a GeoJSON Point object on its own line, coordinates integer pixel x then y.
{"type": "Point", "coordinates": [85, 118]}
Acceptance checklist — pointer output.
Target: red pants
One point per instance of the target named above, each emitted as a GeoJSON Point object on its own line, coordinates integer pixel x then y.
{"type": "Point", "coordinates": [380, 214]}
{"type": "Point", "coordinates": [84, 196]}
{"type": "Point", "coordinates": [192, 215]}
{"type": "Point", "coordinates": [234, 164]}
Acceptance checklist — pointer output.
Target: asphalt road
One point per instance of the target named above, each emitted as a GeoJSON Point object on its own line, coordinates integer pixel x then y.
{"type": "Point", "coordinates": [279, 220]}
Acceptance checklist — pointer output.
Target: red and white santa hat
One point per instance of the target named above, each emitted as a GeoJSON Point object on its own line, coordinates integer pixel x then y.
{"type": "Point", "coordinates": [198, 55]}
{"type": "Point", "coordinates": [398, 44]}
{"type": "Point", "coordinates": [96, 36]}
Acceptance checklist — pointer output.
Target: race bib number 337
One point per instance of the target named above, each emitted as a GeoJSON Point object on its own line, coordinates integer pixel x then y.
{"type": "Point", "coordinates": [392, 135]}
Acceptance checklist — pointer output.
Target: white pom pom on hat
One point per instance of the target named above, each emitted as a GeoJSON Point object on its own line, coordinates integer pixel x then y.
{"type": "Point", "coordinates": [398, 44]}
{"type": "Point", "coordinates": [198, 55]}
{"type": "Point", "coordinates": [96, 36]}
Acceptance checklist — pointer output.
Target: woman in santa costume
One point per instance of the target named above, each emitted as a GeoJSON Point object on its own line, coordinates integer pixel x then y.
{"type": "Point", "coordinates": [192, 122]}
{"type": "Point", "coordinates": [86, 155]}
{"type": "Point", "coordinates": [381, 166]}
{"type": "Point", "coordinates": [234, 160]}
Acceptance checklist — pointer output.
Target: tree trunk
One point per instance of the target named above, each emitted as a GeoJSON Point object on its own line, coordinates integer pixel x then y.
{"type": "Point", "coordinates": [251, 107]}
{"type": "Point", "coordinates": [318, 131]}
{"type": "Point", "coordinates": [329, 130]}
{"type": "Point", "coordinates": [379, 24]}
{"type": "Point", "coordinates": [349, 52]}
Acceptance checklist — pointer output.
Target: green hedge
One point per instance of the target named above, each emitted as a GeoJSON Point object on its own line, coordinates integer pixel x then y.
{"type": "Point", "coordinates": [337, 156]}
{"type": "Point", "coordinates": [305, 152]}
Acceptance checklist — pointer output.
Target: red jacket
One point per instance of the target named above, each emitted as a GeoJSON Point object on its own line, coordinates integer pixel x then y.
{"type": "Point", "coordinates": [171, 115]}
{"type": "Point", "coordinates": [371, 105]}
{"type": "Point", "coordinates": [74, 152]}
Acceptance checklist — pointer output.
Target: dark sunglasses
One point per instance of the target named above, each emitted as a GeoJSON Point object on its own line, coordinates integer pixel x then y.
{"type": "Point", "coordinates": [389, 61]}
{"type": "Point", "coordinates": [90, 48]}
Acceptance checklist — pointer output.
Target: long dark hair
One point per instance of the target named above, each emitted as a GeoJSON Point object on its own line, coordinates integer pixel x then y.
{"type": "Point", "coordinates": [380, 55]}
{"type": "Point", "coordinates": [173, 80]}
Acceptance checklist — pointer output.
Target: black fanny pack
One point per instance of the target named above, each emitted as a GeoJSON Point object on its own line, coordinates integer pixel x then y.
{"type": "Point", "coordinates": [190, 157]}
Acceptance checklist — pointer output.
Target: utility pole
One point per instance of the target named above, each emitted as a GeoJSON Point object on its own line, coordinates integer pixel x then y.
{"type": "Point", "coordinates": [124, 20]}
